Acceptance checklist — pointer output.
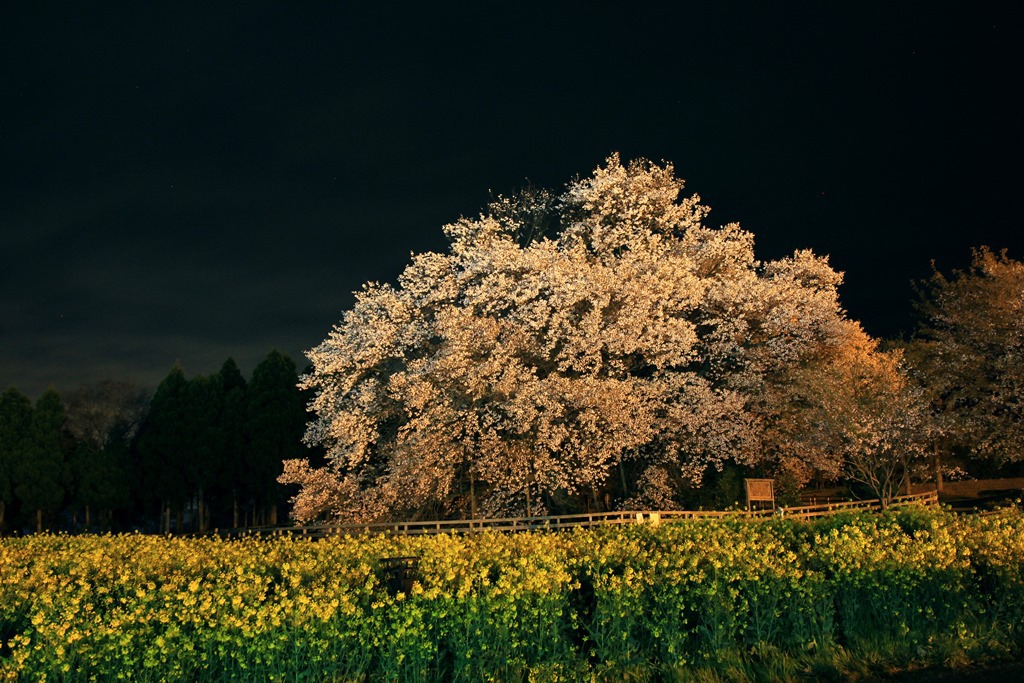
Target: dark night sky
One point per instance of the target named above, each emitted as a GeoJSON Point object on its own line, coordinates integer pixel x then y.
{"type": "Point", "coordinates": [192, 184]}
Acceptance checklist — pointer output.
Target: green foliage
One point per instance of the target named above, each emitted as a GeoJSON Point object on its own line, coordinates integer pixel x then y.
{"type": "Point", "coordinates": [703, 600]}
{"type": "Point", "coordinates": [232, 437]}
{"type": "Point", "coordinates": [204, 400]}
{"type": "Point", "coordinates": [967, 353]}
{"type": "Point", "coordinates": [162, 440]}
{"type": "Point", "coordinates": [719, 490]}
{"type": "Point", "coordinates": [39, 472]}
{"type": "Point", "coordinates": [15, 423]}
{"type": "Point", "coordinates": [275, 422]}
{"type": "Point", "coordinates": [103, 418]}
{"type": "Point", "coordinates": [101, 477]}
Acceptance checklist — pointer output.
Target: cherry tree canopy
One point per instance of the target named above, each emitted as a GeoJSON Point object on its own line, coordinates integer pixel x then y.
{"type": "Point", "coordinates": [522, 368]}
{"type": "Point", "coordinates": [848, 411]}
{"type": "Point", "coordinates": [969, 355]}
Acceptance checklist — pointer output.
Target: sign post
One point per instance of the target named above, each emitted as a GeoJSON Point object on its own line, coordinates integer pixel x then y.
{"type": "Point", "coordinates": [760, 491]}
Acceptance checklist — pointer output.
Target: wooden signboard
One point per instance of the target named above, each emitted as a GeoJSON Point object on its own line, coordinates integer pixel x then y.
{"type": "Point", "coordinates": [760, 491]}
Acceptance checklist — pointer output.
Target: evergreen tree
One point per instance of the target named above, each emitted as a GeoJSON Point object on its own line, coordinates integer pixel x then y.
{"type": "Point", "coordinates": [15, 423]}
{"type": "Point", "coordinates": [101, 480]}
{"type": "Point", "coordinates": [203, 448]}
{"type": "Point", "coordinates": [232, 440]}
{"type": "Point", "coordinates": [160, 446]}
{"type": "Point", "coordinates": [275, 422]}
{"type": "Point", "coordinates": [39, 472]}
{"type": "Point", "coordinates": [103, 418]}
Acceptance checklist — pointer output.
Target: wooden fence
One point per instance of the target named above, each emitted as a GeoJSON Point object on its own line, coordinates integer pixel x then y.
{"type": "Point", "coordinates": [808, 511]}
{"type": "Point", "coordinates": [557, 522]}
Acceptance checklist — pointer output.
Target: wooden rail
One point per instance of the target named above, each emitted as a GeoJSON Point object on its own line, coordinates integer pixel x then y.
{"type": "Point", "coordinates": [557, 522]}
{"type": "Point", "coordinates": [808, 511]}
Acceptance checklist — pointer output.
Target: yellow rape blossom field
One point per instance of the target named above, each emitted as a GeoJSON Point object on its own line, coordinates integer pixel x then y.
{"type": "Point", "coordinates": [700, 600]}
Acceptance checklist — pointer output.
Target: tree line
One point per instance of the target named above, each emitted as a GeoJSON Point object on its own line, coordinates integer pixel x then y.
{"type": "Point", "coordinates": [198, 453]}
{"type": "Point", "coordinates": [603, 348]}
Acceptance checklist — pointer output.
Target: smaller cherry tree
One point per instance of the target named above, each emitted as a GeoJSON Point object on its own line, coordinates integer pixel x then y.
{"type": "Point", "coordinates": [851, 412]}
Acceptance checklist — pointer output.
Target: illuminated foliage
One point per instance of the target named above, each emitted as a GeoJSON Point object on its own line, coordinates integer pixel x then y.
{"type": "Point", "coordinates": [969, 354]}
{"type": "Point", "coordinates": [528, 366]}
{"type": "Point", "coordinates": [851, 411]}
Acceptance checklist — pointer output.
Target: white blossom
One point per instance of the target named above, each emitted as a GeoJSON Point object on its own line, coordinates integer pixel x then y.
{"type": "Point", "coordinates": [531, 371]}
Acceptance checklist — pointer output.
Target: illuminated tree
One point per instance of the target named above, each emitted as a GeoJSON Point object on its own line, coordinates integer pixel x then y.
{"type": "Point", "coordinates": [969, 355]}
{"type": "Point", "coordinates": [848, 411]}
{"type": "Point", "coordinates": [523, 369]}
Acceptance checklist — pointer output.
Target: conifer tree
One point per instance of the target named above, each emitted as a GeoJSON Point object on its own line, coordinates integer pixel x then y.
{"type": "Point", "coordinates": [103, 418]}
{"type": "Point", "coordinates": [203, 448]}
{"type": "Point", "coordinates": [233, 439]}
{"type": "Point", "coordinates": [161, 446]}
{"type": "Point", "coordinates": [40, 469]}
{"type": "Point", "coordinates": [15, 426]}
{"type": "Point", "coordinates": [275, 421]}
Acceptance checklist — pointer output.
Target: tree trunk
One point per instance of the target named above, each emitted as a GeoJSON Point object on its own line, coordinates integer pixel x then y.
{"type": "Point", "coordinates": [472, 498]}
{"type": "Point", "coordinates": [201, 512]}
{"type": "Point", "coordinates": [39, 520]}
{"type": "Point", "coordinates": [273, 515]}
{"type": "Point", "coordinates": [3, 509]}
{"type": "Point", "coordinates": [167, 519]}
{"type": "Point", "coordinates": [622, 475]}
{"type": "Point", "coordinates": [180, 521]}
{"type": "Point", "coordinates": [938, 467]}
{"type": "Point", "coordinates": [234, 508]}
{"type": "Point", "coordinates": [87, 517]}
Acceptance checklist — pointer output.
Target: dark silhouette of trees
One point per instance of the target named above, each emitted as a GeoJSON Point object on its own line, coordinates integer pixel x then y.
{"type": "Point", "coordinates": [103, 419]}
{"type": "Point", "coordinates": [40, 470]}
{"type": "Point", "coordinates": [163, 437]}
{"type": "Point", "coordinates": [15, 423]}
{"type": "Point", "coordinates": [199, 453]}
{"type": "Point", "coordinates": [203, 446]}
{"type": "Point", "coordinates": [275, 423]}
{"type": "Point", "coordinates": [232, 473]}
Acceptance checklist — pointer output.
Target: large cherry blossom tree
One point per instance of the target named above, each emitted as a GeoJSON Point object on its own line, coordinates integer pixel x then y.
{"type": "Point", "coordinates": [602, 347]}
